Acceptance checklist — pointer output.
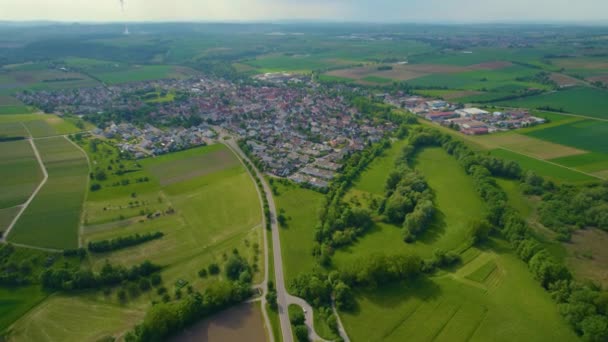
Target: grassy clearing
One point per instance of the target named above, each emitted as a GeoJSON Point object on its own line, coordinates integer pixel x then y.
{"type": "Point", "coordinates": [587, 255]}
{"type": "Point", "coordinates": [545, 169]}
{"type": "Point", "coordinates": [587, 135]}
{"type": "Point", "coordinates": [373, 180]}
{"type": "Point", "coordinates": [62, 318]}
{"type": "Point", "coordinates": [15, 302]}
{"type": "Point", "coordinates": [53, 217]}
{"type": "Point", "coordinates": [20, 172]}
{"type": "Point", "coordinates": [456, 200]}
{"type": "Point", "coordinates": [449, 308]}
{"type": "Point", "coordinates": [301, 208]}
{"type": "Point", "coordinates": [581, 100]}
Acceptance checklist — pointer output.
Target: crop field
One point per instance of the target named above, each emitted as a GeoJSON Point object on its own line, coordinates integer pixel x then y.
{"type": "Point", "coordinates": [20, 172]}
{"type": "Point", "coordinates": [457, 204]}
{"type": "Point", "coordinates": [203, 215]}
{"type": "Point", "coordinates": [301, 207]}
{"type": "Point", "coordinates": [527, 144]}
{"type": "Point", "coordinates": [480, 56]}
{"type": "Point", "coordinates": [588, 162]}
{"type": "Point", "coordinates": [36, 125]}
{"type": "Point", "coordinates": [169, 170]}
{"type": "Point", "coordinates": [62, 318]}
{"type": "Point", "coordinates": [40, 77]}
{"type": "Point", "coordinates": [14, 302]}
{"type": "Point", "coordinates": [6, 217]}
{"type": "Point", "coordinates": [454, 308]}
{"type": "Point", "coordinates": [15, 109]}
{"type": "Point", "coordinates": [542, 168]}
{"type": "Point", "coordinates": [53, 218]}
{"type": "Point", "coordinates": [580, 100]}
{"type": "Point", "coordinates": [141, 73]}
{"type": "Point", "coordinates": [589, 135]}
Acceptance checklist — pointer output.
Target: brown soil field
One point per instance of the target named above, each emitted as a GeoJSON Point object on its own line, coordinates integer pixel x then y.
{"type": "Point", "coordinates": [588, 255]}
{"type": "Point", "coordinates": [241, 323]}
{"type": "Point", "coordinates": [601, 78]}
{"type": "Point", "coordinates": [564, 80]}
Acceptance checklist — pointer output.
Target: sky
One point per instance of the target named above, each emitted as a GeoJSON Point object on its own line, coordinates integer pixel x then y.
{"type": "Point", "coordinates": [436, 11]}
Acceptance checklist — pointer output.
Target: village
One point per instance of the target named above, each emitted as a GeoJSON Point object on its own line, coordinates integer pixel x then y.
{"type": "Point", "coordinates": [469, 121]}
{"type": "Point", "coordinates": [298, 131]}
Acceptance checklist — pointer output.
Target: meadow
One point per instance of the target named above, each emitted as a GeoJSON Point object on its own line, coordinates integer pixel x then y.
{"type": "Point", "coordinates": [300, 207]}
{"type": "Point", "coordinates": [38, 125]}
{"type": "Point", "coordinates": [542, 168]}
{"type": "Point", "coordinates": [506, 304]}
{"type": "Point", "coordinates": [139, 73]}
{"type": "Point", "coordinates": [20, 173]}
{"type": "Point", "coordinates": [585, 101]}
{"type": "Point", "coordinates": [15, 302]}
{"type": "Point", "coordinates": [456, 200]}
{"type": "Point", "coordinates": [52, 219]}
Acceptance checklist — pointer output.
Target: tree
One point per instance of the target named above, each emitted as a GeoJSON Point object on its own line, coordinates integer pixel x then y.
{"type": "Point", "coordinates": [301, 333]}
{"type": "Point", "coordinates": [214, 269]}
{"type": "Point", "coordinates": [595, 328]}
{"type": "Point", "coordinates": [479, 231]}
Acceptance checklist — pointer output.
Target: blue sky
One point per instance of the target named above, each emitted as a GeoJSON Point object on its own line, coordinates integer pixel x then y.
{"type": "Point", "coordinates": [325, 10]}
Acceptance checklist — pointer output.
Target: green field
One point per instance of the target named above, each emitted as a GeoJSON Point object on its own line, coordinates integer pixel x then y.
{"type": "Point", "coordinates": [373, 180]}
{"type": "Point", "coordinates": [583, 101]}
{"type": "Point", "coordinates": [37, 125]}
{"type": "Point", "coordinates": [587, 135]}
{"type": "Point", "coordinates": [62, 318]}
{"type": "Point", "coordinates": [15, 302]}
{"type": "Point", "coordinates": [20, 173]}
{"type": "Point", "coordinates": [507, 305]}
{"type": "Point", "coordinates": [588, 162]}
{"type": "Point", "coordinates": [376, 79]}
{"type": "Point", "coordinates": [543, 168]}
{"type": "Point", "coordinates": [15, 109]}
{"type": "Point", "coordinates": [215, 210]}
{"type": "Point", "coordinates": [456, 199]}
{"type": "Point", "coordinates": [301, 207]}
{"type": "Point", "coordinates": [140, 73]}
{"type": "Point", "coordinates": [53, 218]}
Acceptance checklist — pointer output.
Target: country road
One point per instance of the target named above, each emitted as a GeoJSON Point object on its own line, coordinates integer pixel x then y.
{"type": "Point", "coordinates": [284, 299]}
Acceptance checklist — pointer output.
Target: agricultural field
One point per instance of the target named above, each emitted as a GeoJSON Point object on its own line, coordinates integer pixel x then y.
{"type": "Point", "coordinates": [139, 73]}
{"type": "Point", "coordinates": [15, 302]}
{"type": "Point", "coordinates": [589, 135]}
{"type": "Point", "coordinates": [300, 207]}
{"type": "Point", "coordinates": [493, 297]}
{"type": "Point", "coordinates": [584, 101]}
{"type": "Point", "coordinates": [20, 172]}
{"type": "Point", "coordinates": [39, 125]}
{"type": "Point", "coordinates": [62, 318]}
{"type": "Point", "coordinates": [52, 220]}
{"type": "Point", "coordinates": [543, 168]}
{"type": "Point", "coordinates": [456, 200]}
{"type": "Point", "coordinates": [40, 76]}
{"type": "Point", "coordinates": [203, 214]}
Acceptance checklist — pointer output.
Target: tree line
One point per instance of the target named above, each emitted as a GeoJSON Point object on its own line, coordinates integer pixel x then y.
{"type": "Point", "coordinates": [122, 242]}
{"type": "Point", "coordinates": [584, 306]}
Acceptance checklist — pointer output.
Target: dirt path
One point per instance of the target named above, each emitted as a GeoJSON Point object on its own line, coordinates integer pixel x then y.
{"type": "Point", "coordinates": [31, 198]}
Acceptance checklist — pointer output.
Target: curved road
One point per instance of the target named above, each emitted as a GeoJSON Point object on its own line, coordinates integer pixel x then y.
{"type": "Point", "coordinates": [284, 299]}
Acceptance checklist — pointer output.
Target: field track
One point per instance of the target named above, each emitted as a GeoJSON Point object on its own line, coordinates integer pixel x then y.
{"type": "Point", "coordinates": [31, 198]}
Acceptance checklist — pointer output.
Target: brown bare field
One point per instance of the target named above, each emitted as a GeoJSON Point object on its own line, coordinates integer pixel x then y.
{"type": "Point", "coordinates": [527, 145]}
{"type": "Point", "coordinates": [581, 63]}
{"type": "Point", "coordinates": [588, 255]}
{"type": "Point", "coordinates": [600, 78]}
{"type": "Point", "coordinates": [564, 80]}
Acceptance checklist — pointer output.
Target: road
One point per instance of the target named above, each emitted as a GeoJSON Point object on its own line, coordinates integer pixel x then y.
{"type": "Point", "coordinates": [284, 299]}
{"type": "Point", "coordinates": [31, 198]}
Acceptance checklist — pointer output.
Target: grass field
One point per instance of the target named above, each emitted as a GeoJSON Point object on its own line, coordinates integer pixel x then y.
{"type": "Point", "coordinates": [528, 145]}
{"type": "Point", "coordinates": [53, 218]}
{"type": "Point", "coordinates": [6, 217]}
{"type": "Point", "coordinates": [37, 125]}
{"type": "Point", "coordinates": [15, 302]}
{"type": "Point", "coordinates": [588, 162]}
{"type": "Point", "coordinates": [581, 100]}
{"type": "Point", "coordinates": [301, 207]}
{"type": "Point", "coordinates": [62, 318]}
{"type": "Point", "coordinates": [214, 212]}
{"type": "Point", "coordinates": [15, 109]}
{"type": "Point", "coordinates": [138, 73]}
{"type": "Point", "coordinates": [456, 201]}
{"type": "Point", "coordinates": [543, 168]}
{"type": "Point", "coordinates": [507, 305]}
{"type": "Point", "coordinates": [20, 172]}
{"type": "Point", "coordinates": [586, 135]}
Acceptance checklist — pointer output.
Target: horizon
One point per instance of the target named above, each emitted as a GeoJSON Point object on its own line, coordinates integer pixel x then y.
{"type": "Point", "coordinates": [590, 12]}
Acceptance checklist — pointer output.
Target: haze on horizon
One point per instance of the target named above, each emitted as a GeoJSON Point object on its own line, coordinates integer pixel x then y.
{"type": "Point", "coordinates": [436, 11]}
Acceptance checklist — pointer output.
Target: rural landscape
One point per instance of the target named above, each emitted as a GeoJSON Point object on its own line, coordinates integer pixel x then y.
{"type": "Point", "coordinates": [169, 181]}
